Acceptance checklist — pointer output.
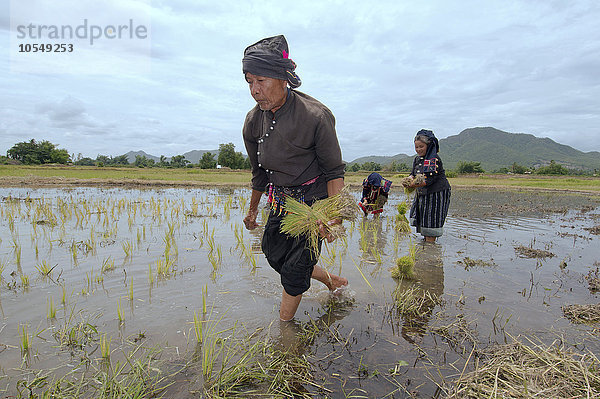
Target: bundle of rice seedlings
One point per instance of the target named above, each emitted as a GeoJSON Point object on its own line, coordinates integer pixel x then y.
{"type": "Point", "coordinates": [402, 224]}
{"type": "Point", "coordinates": [593, 279]}
{"type": "Point", "coordinates": [405, 266]}
{"type": "Point", "coordinates": [301, 219]}
{"type": "Point", "coordinates": [402, 208]}
{"type": "Point", "coordinates": [529, 252]}
{"type": "Point", "coordinates": [517, 370]}
{"type": "Point", "coordinates": [411, 181]}
{"type": "Point", "coordinates": [413, 301]}
{"type": "Point", "coordinates": [472, 263]}
{"type": "Point", "coordinates": [582, 314]}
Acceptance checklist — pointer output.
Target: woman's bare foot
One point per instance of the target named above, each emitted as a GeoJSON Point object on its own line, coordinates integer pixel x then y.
{"type": "Point", "coordinates": [336, 282]}
{"type": "Point", "coordinates": [332, 281]}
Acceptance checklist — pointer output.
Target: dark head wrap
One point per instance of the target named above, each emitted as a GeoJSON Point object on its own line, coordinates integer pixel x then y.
{"type": "Point", "coordinates": [430, 161]}
{"type": "Point", "coordinates": [270, 58]}
{"type": "Point", "coordinates": [376, 180]}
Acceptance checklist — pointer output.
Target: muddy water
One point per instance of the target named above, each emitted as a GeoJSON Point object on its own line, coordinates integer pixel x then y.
{"type": "Point", "coordinates": [201, 231]}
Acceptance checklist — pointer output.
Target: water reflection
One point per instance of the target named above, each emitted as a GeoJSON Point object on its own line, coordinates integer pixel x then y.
{"type": "Point", "coordinates": [373, 240]}
{"type": "Point", "coordinates": [296, 337]}
{"type": "Point", "coordinates": [425, 290]}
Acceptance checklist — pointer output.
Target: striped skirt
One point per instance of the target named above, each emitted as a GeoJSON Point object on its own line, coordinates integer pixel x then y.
{"type": "Point", "coordinates": [428, 213]}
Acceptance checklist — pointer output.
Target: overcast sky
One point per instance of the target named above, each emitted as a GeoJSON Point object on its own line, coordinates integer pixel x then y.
{"type": "Point", "coordinates": [386, 69]}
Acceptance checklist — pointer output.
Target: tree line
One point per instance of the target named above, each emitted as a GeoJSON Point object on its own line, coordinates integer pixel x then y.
{"type": "Point", "coordinates": [469, 167]}
{"type": "Point", "coordinates": [33, 152]}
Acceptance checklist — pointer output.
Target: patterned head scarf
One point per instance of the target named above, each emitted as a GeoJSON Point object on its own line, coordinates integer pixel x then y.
{"type": "Point", "coordinates": [430, 161]}
{"type": "Point", "coordinates": [270, 58]}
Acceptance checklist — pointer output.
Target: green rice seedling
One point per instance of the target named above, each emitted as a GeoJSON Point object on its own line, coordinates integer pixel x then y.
{"type": "Point", "coordinates": [204, 295]}
{"type": "Point", "coordinates": [301, 219]}
{"type": "Point", "coordinates": [213, 261]}
{"type": "Point", "coordinates": [204, 228]}
{"type": "Point", "coordinates": [18, 255]}
{"type": "Point", "coordinates": [25, 281]}
{"type": "Point", "coordinates": [243, 202]}
{"type": "Point", "coordinates": [120, 315]}
{"type": "Point", "coordinates": [402, 224]}
{"type": "Point", "coordinates": [108, 264]}
{"type": "Point", "coordinates": [376, 254]}
{"type": "Point", "coordinates": [2, 267]}
{"type": "Point", "coordinates": [74, 253]}
{"type": "Point", "coordinates": [164, 267]}
{"type": "Point", "coordinates": [250, 257]}
{"type": "Point", "coordinates": [198, 327]}
{"type": "Point", "coordinates": [44, 269]}
{"type": "Point", "coordinates": [63, 299]}
{"type": "Point", "coordinates": [219, 254]}
{"type": "Point", "coordinates": [131, 289]}
{"type": "Point", "coordinates": [194, 210]}
{"type": "Point", "coordinates": [212, 346]}
{"type": "Point", "coordinates": [25, 340]}
{"type": "Point", "coordinates": [11, 223]}
{"type": "Point", "coordinates": [238, 231]}
{"type": "Point", "coordinates": [150, 275]}
{"type": "Point", "coordinates": [171, 229]}
{"type": "Point", "coordinates": [174, 249]}
{"type": "Point", "coordinates": [227, 207]}
{"type": "Point", "coordinates": [127, 248]}
{"type": "Point", "coordinates": [51, 308]}
{"type": "Point", "coordinates": [211, 241]}
{"type": "Point", "coordinates": [105, 347]}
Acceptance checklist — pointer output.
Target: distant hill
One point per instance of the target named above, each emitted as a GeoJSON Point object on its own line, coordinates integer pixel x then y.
{"type": "Point", "coordinates": [195, 155]}
{"type": "Point", "coordinates": [382, 160]}
{"type": "Point", "coordinates": [192, 156]}
{"type": "Point", "coordinates": [496, 149]}
{"type": "Point", "coordinates": [132, 154]}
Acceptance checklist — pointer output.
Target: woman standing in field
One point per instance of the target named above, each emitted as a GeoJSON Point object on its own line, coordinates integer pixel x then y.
{"type": "Point", "coordinates": [432, 199]}
{"type": "Point", "coordinates": [294, 152]}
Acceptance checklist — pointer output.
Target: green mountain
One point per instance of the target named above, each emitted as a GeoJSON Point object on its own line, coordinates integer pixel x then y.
{"type": "Point", "coordinates": [496, 149]}
{"type": "Point", "coordinates": [192, 156]}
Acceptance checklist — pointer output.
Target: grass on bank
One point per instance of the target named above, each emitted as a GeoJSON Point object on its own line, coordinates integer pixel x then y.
{"type": "Point", "coordinates": [242, 177]}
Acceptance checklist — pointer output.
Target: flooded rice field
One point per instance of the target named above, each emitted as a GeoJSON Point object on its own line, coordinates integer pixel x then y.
{"type": "Point", "coordinates": [103, 285]}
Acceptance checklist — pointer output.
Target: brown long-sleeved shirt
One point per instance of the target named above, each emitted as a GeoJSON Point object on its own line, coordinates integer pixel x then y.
{"type": "Point", "coordinates": [294, 145]}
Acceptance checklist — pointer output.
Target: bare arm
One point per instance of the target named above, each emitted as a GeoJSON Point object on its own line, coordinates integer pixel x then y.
{"type": "Point", "coordinates": [335, 186]}
{"type": "Point", "coordinates": [250, 219]}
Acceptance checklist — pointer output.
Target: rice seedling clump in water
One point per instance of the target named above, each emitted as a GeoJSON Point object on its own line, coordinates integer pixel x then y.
{"type": "Point", "coordinates": [301, 219]}
{"type": "Point", "coordinates": [402, 224]}
{"type": "Point", "coordinates": [404, 268]}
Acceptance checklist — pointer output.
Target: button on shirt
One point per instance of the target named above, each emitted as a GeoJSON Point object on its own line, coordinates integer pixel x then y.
{"type": "Point", "coordinates": [294, 145]}
{"type": "Point", "coordinates": [435, 181]}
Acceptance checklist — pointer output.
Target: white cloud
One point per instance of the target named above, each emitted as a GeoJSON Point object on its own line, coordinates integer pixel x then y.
{"type": "Point", "coordinates": [385, 69]}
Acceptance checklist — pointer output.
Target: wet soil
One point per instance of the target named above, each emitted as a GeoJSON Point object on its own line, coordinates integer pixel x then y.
{"type": "Point", "coordinates": [361, 344]}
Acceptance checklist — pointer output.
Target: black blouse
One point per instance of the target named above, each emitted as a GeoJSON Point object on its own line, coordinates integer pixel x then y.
{"type": "Point", "coordinates": [294, 145]}
{"type": "Point", "coordinates": [436, 181]}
